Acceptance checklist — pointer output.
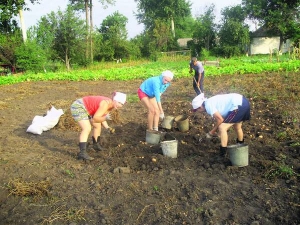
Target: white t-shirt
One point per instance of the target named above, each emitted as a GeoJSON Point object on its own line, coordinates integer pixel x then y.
{"type": "Point", "coordinates": [223, 103]}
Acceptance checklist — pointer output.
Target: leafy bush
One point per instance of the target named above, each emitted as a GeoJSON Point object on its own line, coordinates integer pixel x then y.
{"type": "Point", "coordinates": [205, 54]}
{"type": "Point", "coordinates": [30, 57]}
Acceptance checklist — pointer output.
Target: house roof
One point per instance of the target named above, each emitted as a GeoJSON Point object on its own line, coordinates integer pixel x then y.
{"type": "Point", "coordinates": [264, 31]}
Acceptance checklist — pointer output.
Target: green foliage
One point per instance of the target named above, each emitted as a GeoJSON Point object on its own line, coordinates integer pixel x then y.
{"type": "Point", "coordinates": [296, 144]}
{"type": "Point", "coordinates": [8, 45]}
{"type": "Point", "coordinates": [280, 16]}
{"type": "Point", "coordinates": [185, 27]}
{"type": "Point", "coordinates": [155, 188]}
{"type": "Point", "coordinates": [8, 10]}
{"type": "Point", "coordinates": [204, 54]}
{"type": "Point", "coordinates": [151, 10]}
{"type": "Point", "coordinates": [204, 30]}
{"type": "Point", "coordinates": [114, 27]}
{"type": "Point", "coordinates": [132, 98]}
{"type": "Point", "coordinates": [114, 34]}
{"type": "Point", "coordinates": [146, 69]}
{"type": "Point", "coordinates": [280, 171]}
{"type": "Point", "coordinates": [31, 57]}
{"type": "Point", "coordinates": [233, 33]}
{"type": "Point", "coordinates": [69, 173]}
{"type": "Point", "coordinates": [282, 136]}
{"type": "Point", "coordinates": [63, 35]}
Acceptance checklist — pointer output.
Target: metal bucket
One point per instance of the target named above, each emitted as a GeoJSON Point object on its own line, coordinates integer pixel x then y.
{"type": "Point", "coordinates": [153, 137]}
{"type": "Point", "coordinates": [169, 148]}
{"type": "Point", "coordinates": [239, 155]}
{"type": "Point", "coordinates": [182, 123]}
{"type": "Point", "coordinates": [167, 123]}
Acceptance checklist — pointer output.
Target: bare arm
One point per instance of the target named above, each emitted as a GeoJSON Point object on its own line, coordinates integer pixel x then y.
{"type": "Point", "coordinates": [160, 107]}
{"type": "Point", "coordinates": [99, 115]}
{"type": "Point", "coordinates": [219, 119]}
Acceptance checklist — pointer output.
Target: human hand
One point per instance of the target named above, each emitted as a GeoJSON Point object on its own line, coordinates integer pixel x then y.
{"type": "Point", "coordinates": [111, 130]}
{"type": "Point", "coordinates": [108, 117]}
{"type": "Point", "coordinates": [162, 116]}
{"type": "Point", "coordinates": [209, 135]}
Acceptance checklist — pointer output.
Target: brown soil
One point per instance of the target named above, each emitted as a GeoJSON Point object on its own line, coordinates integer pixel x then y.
{"type": "Point", "coordinates": [132, 182]}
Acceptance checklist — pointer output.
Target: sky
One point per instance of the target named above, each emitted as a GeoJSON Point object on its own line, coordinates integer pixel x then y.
{"type": "Point", "coordinates": [125, 7]}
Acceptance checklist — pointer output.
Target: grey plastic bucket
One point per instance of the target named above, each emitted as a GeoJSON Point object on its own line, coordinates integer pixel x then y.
{"type": "Point", "coordinates": [153, 137]}
{"type": "Point", "coordinates": [239, 155]}
{"type": "Point", "coordinates": [169, 148]}
{"type": "Point", "coordinates": [167, 123]}
{"type": "Point", "coordinates": [182, 123]}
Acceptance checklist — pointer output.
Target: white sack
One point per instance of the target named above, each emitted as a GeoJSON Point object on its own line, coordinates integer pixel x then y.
{"type": "Point", "coordinates": [44, 123]}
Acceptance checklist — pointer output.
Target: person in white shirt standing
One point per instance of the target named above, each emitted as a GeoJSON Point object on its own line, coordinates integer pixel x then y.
{"type": "Point", "coordinates": [227, 110]}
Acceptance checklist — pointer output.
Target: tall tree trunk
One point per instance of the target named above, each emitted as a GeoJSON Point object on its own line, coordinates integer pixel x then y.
{"type": "Point", "coordinates": [91, 30]}
{"type": "Point", "coordinates": [280, 43]}
{"type": "Point", "coordinates": [173, 27]}
{"type": "Point", "coordinates": [87, 22]}
{"type": "Point", "coordinates": [67, 61]}
{"type": "Point", "coordinates": [23, 27]}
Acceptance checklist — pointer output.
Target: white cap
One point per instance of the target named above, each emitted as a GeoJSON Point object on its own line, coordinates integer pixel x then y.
{"type": "Point", "coordinates": [167, 73]}
{"type": "Point", "coordinates": [198, 101]}
{"type": "Point", "coordinates": [120, 97]}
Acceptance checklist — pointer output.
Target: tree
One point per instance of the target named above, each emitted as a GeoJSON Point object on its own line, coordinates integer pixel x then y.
{"type": "Point", "coordinates": [87, 6]}
{"type": "Point", "coordinates": [234, 32]}
{"type": "Point", "coordinates": [63, 32]}
{"type": "Point", "coordinates": [168, 10]}
{"type": "Point", "coordinates": [114, 33]}
{"type": "Point", "coordinates": [279, 16]}
{"type": "Point", "coordinates": [11, 8]}
{"type": "Point", "coordinates": [8, 45]}
{"type": "Point", "coordinates": [185, 27]}
{"type": "Point", "coordinates": [205, 30]}
{"type": "Point", "coordinates": [31, 57]}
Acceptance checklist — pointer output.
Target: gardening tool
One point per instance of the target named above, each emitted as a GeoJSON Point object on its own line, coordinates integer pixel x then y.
{"type": "Point", "coordinates": [197, 85]}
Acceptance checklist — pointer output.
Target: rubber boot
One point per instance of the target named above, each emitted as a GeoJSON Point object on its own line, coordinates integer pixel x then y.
{"type": "Point", "coordinates": [223, 151]}
{"type": "Point", "coordinates": [83, 154]}
{"type": "Point", "coordinates": [239, 142]}
{"type": "Point", "coordinates": [96, 144]}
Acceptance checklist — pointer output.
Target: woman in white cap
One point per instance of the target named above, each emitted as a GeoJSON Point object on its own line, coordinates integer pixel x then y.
{"type": "Point", "coordinates": [150, 92]}
{"type": "Point", "coordinates": [227, 110]}
{"type": "Point", "coordinates": [92, 111]}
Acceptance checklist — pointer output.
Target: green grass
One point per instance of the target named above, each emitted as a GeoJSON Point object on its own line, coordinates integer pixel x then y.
{"type": "Point", "coordinates": [132, 98]}
{"type": "Point", "coordinates": [145, 69]}
{"type": "Point", "coordinates": [280, 171]}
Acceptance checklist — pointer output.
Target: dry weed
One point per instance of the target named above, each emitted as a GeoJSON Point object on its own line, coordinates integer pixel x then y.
{"type": "Point", "coordinates": [67, 215]}
{"type": "Point", "coordinates": [23, 188]}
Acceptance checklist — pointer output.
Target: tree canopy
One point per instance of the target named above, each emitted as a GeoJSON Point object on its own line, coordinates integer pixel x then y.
{"type": "Point", "coordinates": [278, 16]}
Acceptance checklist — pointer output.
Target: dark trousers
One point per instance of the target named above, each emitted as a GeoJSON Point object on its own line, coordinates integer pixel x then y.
{"type": "Point", "coordinates": [196, 88]}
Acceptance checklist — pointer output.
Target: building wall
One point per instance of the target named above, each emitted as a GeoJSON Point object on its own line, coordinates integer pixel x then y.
{"type": "Point", "coordinates": [263, 45]}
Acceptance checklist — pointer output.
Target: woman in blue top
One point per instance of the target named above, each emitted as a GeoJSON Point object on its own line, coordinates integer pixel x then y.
{"type": "Point", "coordinates": [149, 94]}
{"type": "Point", "coordinates": [227, 110]}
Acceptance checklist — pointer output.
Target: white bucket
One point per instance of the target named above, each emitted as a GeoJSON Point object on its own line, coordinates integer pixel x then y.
{"type": "Point", "coordinates": [238, 155]}
{"type": "Point", "coordinates": [169, 148]}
